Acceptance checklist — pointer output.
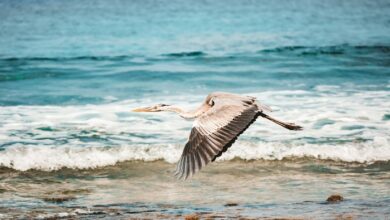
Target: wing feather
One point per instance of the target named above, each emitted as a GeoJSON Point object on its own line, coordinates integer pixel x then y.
{"type": "Point", "coordinates": [216, 130]}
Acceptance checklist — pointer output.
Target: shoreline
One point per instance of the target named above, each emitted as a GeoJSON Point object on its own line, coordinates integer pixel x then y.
{"type": "Point", "coordinates": [170, 211]}
{"type": "Point", "coordinates": [234, 189]}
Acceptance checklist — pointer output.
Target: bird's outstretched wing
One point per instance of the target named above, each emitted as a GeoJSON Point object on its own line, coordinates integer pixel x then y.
{"type": "Point", "coordinates": [216, 130]}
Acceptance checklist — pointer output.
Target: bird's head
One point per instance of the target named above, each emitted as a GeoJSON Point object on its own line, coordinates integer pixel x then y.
{"type": "Point", "coordinates": [154, 108]}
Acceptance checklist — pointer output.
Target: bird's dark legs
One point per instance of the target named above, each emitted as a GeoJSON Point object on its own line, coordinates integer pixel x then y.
{"type": "Point", "coordinates": [290, 126]}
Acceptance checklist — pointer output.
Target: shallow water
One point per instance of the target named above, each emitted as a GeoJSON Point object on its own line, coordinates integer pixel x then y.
{"type": "Point", "coordinates": [70, 72]}
{"type": "Point", "coordinates": [295, 188]}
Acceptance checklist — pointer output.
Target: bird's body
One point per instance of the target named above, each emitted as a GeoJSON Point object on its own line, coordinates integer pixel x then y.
{"type": "Point", "coordinates": [218, 122]}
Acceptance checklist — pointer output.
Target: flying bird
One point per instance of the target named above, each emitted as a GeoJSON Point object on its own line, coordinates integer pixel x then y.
{"type": "Point", "coordinates": [218, 122]}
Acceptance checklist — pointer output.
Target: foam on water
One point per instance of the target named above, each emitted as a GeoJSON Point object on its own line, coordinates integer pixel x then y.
{"type": "Point", "coordinates": [54, 158]}
{"type": "Point", "coordinates": [340, 124]}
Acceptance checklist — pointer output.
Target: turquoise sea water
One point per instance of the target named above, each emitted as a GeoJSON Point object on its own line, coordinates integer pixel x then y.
{"type": "Point", "coordinates": [71, 71]}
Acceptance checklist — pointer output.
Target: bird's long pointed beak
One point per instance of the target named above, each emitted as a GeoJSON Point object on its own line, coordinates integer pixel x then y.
{"type": "Point", "coordinates": [144, 109]}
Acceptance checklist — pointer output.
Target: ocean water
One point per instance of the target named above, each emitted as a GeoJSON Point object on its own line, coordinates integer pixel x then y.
{"type": "Point", "coordinates": [71, 71]}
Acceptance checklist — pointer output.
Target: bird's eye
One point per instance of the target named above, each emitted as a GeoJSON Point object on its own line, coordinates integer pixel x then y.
{"type": "Point", "coordinates": [211, 102]}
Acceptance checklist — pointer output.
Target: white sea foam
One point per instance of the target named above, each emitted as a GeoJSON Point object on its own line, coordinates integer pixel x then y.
{"type": "Point", "coordinates": [346, 126]}
{"type": "Point", "coordinates": [53, 158]}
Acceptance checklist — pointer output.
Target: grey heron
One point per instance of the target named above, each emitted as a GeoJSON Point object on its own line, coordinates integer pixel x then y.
{"type": "Point", "coordinates": [218, 122]}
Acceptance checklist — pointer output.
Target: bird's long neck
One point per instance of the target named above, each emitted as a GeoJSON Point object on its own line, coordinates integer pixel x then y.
{"type": "Point", "coordinates": [184, 114]}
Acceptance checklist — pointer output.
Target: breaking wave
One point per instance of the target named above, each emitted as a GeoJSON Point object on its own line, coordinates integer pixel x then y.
{"type": "Point", "coordinates": [54, 158]}
{"type": "Point", "coordinates": [338, 125]}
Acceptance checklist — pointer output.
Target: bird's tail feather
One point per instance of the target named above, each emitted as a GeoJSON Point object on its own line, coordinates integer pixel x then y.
{"type": "Point", "coordinates": [290, 126]}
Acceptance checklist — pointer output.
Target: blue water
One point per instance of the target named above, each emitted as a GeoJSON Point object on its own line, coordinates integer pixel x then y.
{"type": "Point", "coordinates": [71, 71]}
{"type": "Point", "coordinates": [67, 52]}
